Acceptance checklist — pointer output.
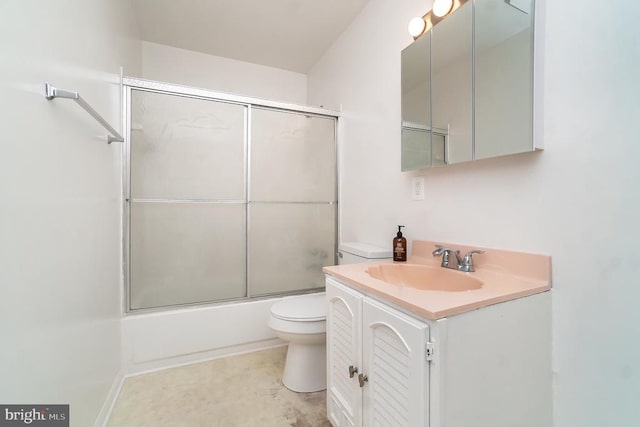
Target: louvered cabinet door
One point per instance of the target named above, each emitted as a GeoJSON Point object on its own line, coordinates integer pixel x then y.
{"type": "Point", "coordinates": [396, 389]}
{"type": "Point", "coordinates": [344, 347]}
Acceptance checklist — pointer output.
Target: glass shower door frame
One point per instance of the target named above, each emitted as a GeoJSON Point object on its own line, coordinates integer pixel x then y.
{"type": "Point", "coordinates": [130, 84]}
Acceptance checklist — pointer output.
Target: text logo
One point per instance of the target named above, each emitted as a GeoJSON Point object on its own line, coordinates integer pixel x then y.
{"type": "Point", "coordinates": [34, 415]}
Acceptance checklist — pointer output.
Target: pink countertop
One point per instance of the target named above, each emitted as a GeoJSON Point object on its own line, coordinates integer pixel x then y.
{"type": "Point", "coordinates": [505, 275]}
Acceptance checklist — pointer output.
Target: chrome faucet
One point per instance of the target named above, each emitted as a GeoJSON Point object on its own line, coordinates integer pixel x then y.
{"type": "Point", "coordinates": [446, 257]}
{"type": "Point", "coordinates": [458, 263]}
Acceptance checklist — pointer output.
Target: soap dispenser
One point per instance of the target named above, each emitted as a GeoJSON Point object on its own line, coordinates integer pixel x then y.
{"type": "Point", "coordinates": [399, 246]}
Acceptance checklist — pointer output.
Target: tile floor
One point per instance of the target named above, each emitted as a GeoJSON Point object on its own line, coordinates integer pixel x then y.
{"type": "Point", "coordinates": [238, 391]}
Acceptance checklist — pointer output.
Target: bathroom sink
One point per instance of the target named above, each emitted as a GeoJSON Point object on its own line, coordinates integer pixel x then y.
{"type": "Point", "coordinates": [424, 277]}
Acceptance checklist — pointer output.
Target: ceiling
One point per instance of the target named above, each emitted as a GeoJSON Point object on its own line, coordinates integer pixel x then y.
{"type": "Point", "coordinates": [287, 34]}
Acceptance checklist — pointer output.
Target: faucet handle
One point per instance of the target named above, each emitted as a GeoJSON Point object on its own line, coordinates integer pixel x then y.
{"type": "Point", "coordinates": [443, 250]}
{"type": "Point", "coordinates": [467, 260]}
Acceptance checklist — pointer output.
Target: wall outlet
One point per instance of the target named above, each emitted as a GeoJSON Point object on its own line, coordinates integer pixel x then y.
{"type": "Point", "coordinates": [417, 188]}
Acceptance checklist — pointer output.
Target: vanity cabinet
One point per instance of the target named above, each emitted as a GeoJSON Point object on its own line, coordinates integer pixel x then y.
{"type": "Point", "coordinates": [388, 367]}
{"type": "Point", "coordinates": [377, 372]}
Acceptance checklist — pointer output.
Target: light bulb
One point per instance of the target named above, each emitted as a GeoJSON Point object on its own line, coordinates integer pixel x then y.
{"type": "Point", "coordinates": [416, 26]}
{"type": "Point", "coordinates": [442, 7]}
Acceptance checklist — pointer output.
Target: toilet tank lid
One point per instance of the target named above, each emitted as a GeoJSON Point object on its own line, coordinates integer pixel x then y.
{"type": "Point", "coordinates": [309, 308]}
{"type": "Point", "coordinates": [365, 250]}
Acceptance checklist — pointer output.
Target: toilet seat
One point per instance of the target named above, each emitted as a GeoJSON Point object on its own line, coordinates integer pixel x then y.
{"type": "Point", "coordinates": [306, 308]}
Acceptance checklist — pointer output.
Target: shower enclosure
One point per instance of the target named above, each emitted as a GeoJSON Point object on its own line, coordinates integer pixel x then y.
{"type": "Point", "coordinates": [225, 197]}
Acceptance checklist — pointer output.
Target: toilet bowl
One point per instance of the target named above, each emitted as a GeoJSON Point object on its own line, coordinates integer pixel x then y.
{"type": "Point", "coordinates": [301, 320]}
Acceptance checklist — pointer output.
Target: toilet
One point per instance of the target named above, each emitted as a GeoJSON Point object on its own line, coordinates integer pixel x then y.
{"type": "Point", "coordinates": [301, 321]}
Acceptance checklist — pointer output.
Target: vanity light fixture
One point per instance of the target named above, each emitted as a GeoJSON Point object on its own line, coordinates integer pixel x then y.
{"type": "Point", "coordinates": [442, 7]}
{"type": "Point", "coordinates": [417, 26]}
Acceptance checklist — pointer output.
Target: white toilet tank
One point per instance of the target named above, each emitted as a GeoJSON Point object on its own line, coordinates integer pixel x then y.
{"type": "Point", "coordinates": [355, 252]}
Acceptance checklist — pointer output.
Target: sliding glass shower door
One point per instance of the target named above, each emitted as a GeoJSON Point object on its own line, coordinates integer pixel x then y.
{"type": "Point", "coordinates": [225, 200]}
{"type": "Point", "coordinates": [187, 204]}
{"type": "Point", "coordinates": [292, 212]}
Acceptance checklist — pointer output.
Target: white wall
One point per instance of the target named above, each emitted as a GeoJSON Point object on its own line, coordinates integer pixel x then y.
{"type": "Point", "coordinates": [60, 275]}
{"type": "Point", "coordinates": [578, 200]}
{"type": "Point", "coordinates": [189, 68]}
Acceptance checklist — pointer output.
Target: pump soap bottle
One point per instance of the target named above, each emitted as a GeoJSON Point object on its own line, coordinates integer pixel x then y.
{"type": "Point", "coordinates": [400, 246]}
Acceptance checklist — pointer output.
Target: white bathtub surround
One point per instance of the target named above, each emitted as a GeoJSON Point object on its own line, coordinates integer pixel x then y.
{"type": "Point", "coordinates": [158, 340]}
{"type": "Point", "coordinates": [189, 68]}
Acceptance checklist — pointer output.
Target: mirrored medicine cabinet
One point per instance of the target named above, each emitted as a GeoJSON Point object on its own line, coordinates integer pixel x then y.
{"type": "Point", "coordinates": [468, 86]}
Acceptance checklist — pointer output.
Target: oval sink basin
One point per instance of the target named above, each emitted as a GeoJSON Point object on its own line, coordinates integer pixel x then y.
{"type": "Point", "coordinates": [424, 277]}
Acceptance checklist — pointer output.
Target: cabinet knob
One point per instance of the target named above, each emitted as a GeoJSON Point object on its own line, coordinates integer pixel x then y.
{"type": "Point", "coordinates": [362, 379]}
{"type": "Point", "coordinates": [352, 371]}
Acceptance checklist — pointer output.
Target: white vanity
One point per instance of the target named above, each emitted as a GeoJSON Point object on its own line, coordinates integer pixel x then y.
{"type": "Point", "coordinates": [412, 354]}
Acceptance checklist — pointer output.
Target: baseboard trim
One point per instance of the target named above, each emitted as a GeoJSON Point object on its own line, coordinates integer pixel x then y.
{"type": "Point", "coordinates": [202, 356]}
{"type": "Point", "coordinates": [110, 400]}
